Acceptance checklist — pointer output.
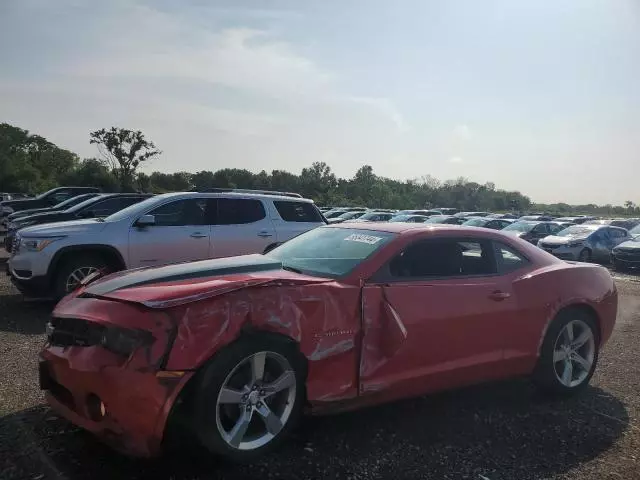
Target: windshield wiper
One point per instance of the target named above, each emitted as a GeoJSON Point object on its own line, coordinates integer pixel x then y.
{"type": "Point", "coordinates": [291, 269]}
{"type": "Point", "coordinates": [99, 219]}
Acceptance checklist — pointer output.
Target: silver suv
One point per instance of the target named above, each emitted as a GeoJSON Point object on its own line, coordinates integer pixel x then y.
{"type": "Point", "coordinates": [50, 260]}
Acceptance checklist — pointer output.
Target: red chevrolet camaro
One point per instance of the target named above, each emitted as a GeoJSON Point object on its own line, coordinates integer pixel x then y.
{"type": "Point", "coordinates": [335, 319]}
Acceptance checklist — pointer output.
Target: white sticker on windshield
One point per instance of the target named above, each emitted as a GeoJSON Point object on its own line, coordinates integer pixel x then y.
{"type": "Point", "coordinates": [359, 237]}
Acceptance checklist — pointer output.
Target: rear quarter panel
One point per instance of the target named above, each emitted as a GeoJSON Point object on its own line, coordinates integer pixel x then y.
{"type": "Point", "coordinates": [541, 294]}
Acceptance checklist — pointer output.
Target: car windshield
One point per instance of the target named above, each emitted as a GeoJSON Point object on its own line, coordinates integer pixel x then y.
{"type": "Point", "coordinates": [577, 230]}
{"type": "Point", "coordinates": [333, 213]}
{"type": "Point", "coordinates": [476, 222]}
{"type": "Point", "coordinates": [520, 227]}
{"type": "Point", "coordinates": [635, 231]}
{"type": "Point", "coordinates": [70, 202]}
{"type": "Point", "coordinates": [371, 215]}
{"type": "Point", "coordinates": [401, 218]}
{"type": "Point", "coordinates": [348, 215]}
{"type": "Point", "coordinates": [437, 219]}
{"type": "Point", "coordinates": [329, 252]}
{"type": "Point", "coordinates": [82, 205]}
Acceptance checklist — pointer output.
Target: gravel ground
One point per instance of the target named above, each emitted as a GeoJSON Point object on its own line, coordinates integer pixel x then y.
{"type": "Point", "coordinates": [496, 432]}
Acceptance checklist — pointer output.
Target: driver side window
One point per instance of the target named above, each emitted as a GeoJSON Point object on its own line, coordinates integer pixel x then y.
{"type": "Point", "coordinates": [441, 258]}
{"type": "Point", "coordinates": [180, 213]}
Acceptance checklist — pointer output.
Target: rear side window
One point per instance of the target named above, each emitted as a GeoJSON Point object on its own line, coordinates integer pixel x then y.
{"type": "Point", "coordinates": [238, 211]}
{"type": "Point", "coordinates": [508, 259]}
{"type": "Point", "coordinates": [298, 212]}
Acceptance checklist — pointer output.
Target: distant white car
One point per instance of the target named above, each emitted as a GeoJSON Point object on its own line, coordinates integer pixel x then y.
{"type": "Point", "coordinates": [52, 259]}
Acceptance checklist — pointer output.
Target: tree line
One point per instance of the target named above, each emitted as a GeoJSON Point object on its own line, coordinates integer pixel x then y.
{"type": "Point", "coordinates": [30, 163]}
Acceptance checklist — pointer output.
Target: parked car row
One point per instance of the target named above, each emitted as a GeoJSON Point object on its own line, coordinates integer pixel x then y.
{"type": "Point", "coordinates": [47, 199]}
{"type": "Point", "coordinates": [83, 231]}
{"type": "Point", "coordinates": [578, 238]}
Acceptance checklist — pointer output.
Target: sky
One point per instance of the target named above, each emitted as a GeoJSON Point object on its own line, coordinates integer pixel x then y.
{"type": "Point", "coordinates": [540, 96]}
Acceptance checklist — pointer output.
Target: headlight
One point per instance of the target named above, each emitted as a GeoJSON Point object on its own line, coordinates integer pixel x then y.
{"type": "Point", "coordinates": [123, 341]}
{"type": "Point", "coordinates": [6, 210]}
{"type": "Point", "coordinates": [574, 244]}
{"type": "Point", "coordinates": [37, 244]}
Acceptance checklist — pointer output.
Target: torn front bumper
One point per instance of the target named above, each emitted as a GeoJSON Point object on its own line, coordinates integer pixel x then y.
{"type": "Point", "coordinates": [127, 409]}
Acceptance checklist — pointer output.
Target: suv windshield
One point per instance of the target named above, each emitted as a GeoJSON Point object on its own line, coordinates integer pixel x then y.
{"type": "Point", "coordinates": [131, 209]}
{"type": "Point", "coordinates": [635, 231]}
{"type": "Point", "coordinates": [329, 252]}
{"type": "Point", "coordinates": [520, 227]}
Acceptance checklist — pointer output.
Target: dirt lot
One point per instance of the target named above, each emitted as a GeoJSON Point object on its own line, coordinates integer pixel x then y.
{"type": "Point", "coordinates": [497, 432]}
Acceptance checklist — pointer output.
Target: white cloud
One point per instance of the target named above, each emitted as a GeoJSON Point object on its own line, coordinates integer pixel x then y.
{"type": "Point", "coordinates": [462, 132]}
{"type": "Point", "coordinates": [455, 160]}
{"type": "Point", "coordinates": [209, 95]}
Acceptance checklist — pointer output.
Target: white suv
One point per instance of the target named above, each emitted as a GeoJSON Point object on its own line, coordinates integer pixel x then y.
{"type": "Point", "coordinates": [50, 260]}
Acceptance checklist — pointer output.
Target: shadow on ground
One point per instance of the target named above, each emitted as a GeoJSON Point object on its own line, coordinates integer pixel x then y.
{"type": "Point", "coordinates": [18, 315]}
{"type": "Point", "coordinates": [498, 431]}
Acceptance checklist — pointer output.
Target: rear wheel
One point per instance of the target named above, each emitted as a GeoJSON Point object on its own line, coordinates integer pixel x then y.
{"type": "Point", "coordinates": [585, 255]}
{"type": "Point", "coordinates": [249, 398]}
{"type": "Point", "coordinates": [75, 269]}
{"type": "Point", "coordinates": [569, 353]}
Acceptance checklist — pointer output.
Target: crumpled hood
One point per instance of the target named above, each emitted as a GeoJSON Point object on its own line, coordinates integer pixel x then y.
{"type": "Point", "coordinates": [177, 284]}
{"type": "Point", "coordinates": [63, 229]}
{"type": "Point", "coordinates": [555, 240]}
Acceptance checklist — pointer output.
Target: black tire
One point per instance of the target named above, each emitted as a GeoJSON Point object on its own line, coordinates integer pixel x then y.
{"type": "Point", "coordinates": [585, 255]}
{"type": "Point", "coordinates": [212, 378]}
{"type": "Point", "coordinates": [71, 264]}
{"type": "Point", "coordinates": [545, 374]}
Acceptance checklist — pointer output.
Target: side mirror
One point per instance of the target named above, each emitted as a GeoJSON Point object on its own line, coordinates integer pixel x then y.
{"type": "Point", "coordinates": [146, 221]}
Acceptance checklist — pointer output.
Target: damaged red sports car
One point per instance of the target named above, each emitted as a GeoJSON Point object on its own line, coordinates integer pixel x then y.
{"type": "Point", "coordinates": [335, 319]}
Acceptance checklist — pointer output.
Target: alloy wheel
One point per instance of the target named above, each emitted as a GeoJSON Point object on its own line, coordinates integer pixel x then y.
{"type": "Point", "coordinates": [75, 277]}
{"type": "Point", "coordinates": [573, 353]}
{"type": "Point", "coordinates": [256, 400]}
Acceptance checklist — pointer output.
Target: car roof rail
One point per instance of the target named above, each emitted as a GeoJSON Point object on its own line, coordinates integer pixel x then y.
{"type": "Point", "coordinates": [248, 190]}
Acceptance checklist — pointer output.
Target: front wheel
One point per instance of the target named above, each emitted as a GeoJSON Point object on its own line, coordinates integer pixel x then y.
{"type": "Point", "coordinates": [249, 398]}
{"type": "Point", "coordinates": [569, 353]}
{"type": "Point", "coordinates": [73, 271]}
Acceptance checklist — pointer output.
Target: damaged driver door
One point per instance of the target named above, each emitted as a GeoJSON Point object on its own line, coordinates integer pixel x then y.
{"type": "Point", "coordinates": [436, 325]}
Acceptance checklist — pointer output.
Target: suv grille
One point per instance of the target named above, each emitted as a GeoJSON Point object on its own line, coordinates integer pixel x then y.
{"type": "Point", "coordinates": [73, 332]}
{"type": "Point", "coordinates": [15, 245]}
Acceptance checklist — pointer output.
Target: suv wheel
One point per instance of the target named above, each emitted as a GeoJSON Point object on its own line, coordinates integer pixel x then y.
{"type": "Point", "coordinates": [73, 270]}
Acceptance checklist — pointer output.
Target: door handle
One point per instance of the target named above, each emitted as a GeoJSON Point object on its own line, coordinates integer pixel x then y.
{"type": "Point", "coordinates": [198, 235]}
{"type": "Point", "coordinates": [498, 296]}
{"type": "Point", "coordinates": [265, 234]}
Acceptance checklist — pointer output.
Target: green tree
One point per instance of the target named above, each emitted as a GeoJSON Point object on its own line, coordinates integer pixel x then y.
{"type": "Point", "coordinates": [92, 172]}
{"type": "Point", "coordinates": [124, 150]}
